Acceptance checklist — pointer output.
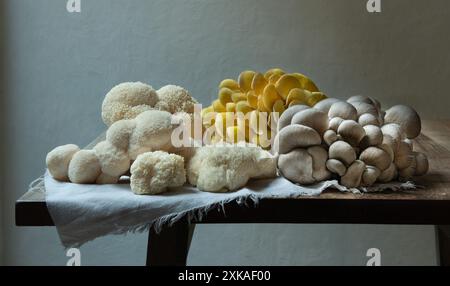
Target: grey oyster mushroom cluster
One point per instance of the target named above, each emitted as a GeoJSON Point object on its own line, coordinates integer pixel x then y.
{"type": "Point", "coordinates": [354, 140]}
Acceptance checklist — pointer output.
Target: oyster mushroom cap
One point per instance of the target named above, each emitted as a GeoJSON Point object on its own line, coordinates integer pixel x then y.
{"type": "Point", "coordinates": [319, 156]}
{"type": "Point", "coordinates": [422, 165]}
{"type": "Point", "coordinates": [329, 137]}
{"type": "Point", "coordinates": [389, 174]}
{"type": "Point", "coordinates": [376, 157]}
{"type": "Point", "coordinates": [334, 123]}
{"type": "Point", "coordinates": [373, 137]}
{"type": "Point", "coordinates": [313, 118]}
{"type": "Point", "coordinates": [295, 136]}
{"type": "Point", "coordinates": [286, 117]}
{"type": "Point", "coordinates": [370, 175]}
{"type": "Point", "coordinates": [404, 155]}
{"type": "Point", "coordinates": [336, 167]}
{"type": "Point", "coordinates": [353, 176]}
{"type": "Point", "coordinates": [324, 105]}
{"type": "Point", "coordinates": [365, 99]}
{"type": "Point", "coordinates": [395, 132]}
{"type": "Point", "coordinates": [342, 151]}
{"type": "Point", "coordinates": [368, 119]}
{"type": "Point", "coordinates": [343, 110]}
{"type": "Point", "coordinates": [297, 166]}
{"type": "Point", "coordinates": [351, 132]}
{"type": "Point", "coordinates": [363, 108]}
{"type": "Point", "coordinates": [406, 117]}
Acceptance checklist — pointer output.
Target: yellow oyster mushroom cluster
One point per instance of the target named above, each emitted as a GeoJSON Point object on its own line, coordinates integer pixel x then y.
{"type": "Point", "coordinates": [262, 98]}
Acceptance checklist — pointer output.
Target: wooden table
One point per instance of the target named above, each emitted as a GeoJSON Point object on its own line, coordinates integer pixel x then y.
{"type": "Point", "coordinates": [429, 205]}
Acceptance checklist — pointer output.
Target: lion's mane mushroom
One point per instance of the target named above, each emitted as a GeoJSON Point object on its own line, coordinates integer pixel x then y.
{"type": "Point", "coordinates": [154, 172]}
{"type": "Point", "coordinates": [351, 132]}
{"type": "Point", "coordinates": [127, 100]}
{"type": "Point", "coordinates": [228, 167]}
{"type": "Point", "coordinates": [173, 98]}
{"type": "Point", "coordinates": [406, 117]}
{"type": "Point", "coordinates": [84, 168]}
{"type": "Point", "coordinates": [58, 161]}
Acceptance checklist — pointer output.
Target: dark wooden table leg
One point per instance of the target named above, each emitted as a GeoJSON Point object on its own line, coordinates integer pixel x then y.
{"type": "Point", "coordinates": [443, 243]}
{"type": "Point", "coordinates": [170, 247]}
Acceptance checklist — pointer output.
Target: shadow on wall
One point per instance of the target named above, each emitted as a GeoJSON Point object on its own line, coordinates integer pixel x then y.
{"type": "Point", "coordinates": [3, 115]}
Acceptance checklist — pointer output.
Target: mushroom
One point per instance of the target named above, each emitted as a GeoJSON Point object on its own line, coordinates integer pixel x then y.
{"type": "Point", "coordinates": [395, 132]}
{"type": "Point", "coordinates": [297, 166]}
{"type": "Point", "coordinates": [388, 175]}
{"type": "Point", "coordinates": [343, 152]}
{"type": "Point", "coordinates": [407, 173]}
{"type": "Point", "coordinates": [351, 132]}
{"type": "Point", "coordinates": [58, 161]}
{"type": "Point", "coordinates": [84, 168]}
{"type": "Point", "coordinates": [330, 137]}
{"type": "Point", "coordinates": [324, 105]}
{"type": "Point", "coordinates": [286, 116]}
{"type": "Point", "coordinates": [406, 117]}
{"type": "Point", "coordinates": [370, 175]}
{"type": "Point", "coordinates": [334, 123]}
{"type": "Point", "coordinates": [363, 108]}
{"type": "Point", "coordinates": [336, 166]}
{"type": "Point", "coordinates": [365, 99]}
{"type": "Point", "coordinates": [404, 155]}
{"type": "Point", "coordinates": [368, 119]}
{"type": "Point", "coordinates": [373, 136]}
{"type": "Point", "coordinates": [296, 136]}
{"type": "Point", "coordinates": [352, 177]}
{"type": "Point", "coordinates": [388, 149]}
{"type": "Point", "coordinates": [376, 157]}
{"type": "Point", "coordinates": [421, 164]}
{"type": "Point", "coordinates": [343, 110]}
{"type": "Point", "coordinates": [319, 156]}
{"type": "Point", "coordinates": [313, 118]}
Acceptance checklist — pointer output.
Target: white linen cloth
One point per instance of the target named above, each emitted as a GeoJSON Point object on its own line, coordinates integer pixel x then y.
{"type": "Point", "coordinates": [84, 212]}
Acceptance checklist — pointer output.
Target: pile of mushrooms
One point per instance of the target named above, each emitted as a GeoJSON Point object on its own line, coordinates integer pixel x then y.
{"type": "Point", "coordinates": [353, 141]}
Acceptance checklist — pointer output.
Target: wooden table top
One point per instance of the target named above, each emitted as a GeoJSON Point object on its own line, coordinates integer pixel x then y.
{"type": "Point", "coordinates": [429, 204]}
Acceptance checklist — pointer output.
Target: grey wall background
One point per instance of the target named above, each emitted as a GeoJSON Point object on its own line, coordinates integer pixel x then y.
{"type": "Point", "coordinates": [60, 65]}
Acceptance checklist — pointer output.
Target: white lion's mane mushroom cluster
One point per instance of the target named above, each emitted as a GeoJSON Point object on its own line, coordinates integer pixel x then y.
{"type": "Point", "coordinates": [138, 134]}
{"type": "Point", "coordinates": [352, 140]}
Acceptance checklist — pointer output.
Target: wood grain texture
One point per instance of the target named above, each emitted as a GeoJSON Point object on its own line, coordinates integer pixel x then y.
{"type": "Point", "coordinates": [430, 204]}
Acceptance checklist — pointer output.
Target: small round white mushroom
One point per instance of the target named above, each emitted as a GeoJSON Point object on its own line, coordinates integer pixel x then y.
{"type": "Point", "coordinates": [407, 173]}
{"type": "Point", "coordinates": [404, 155]}
{"type": "Point", "coordinates": [334, 123]}
{"type": "Point", "coordinates": [368, 119]}
{"type": "Point", "coordinates": [319, 156]}
{"type": "Point", "coordinates": [114, 161]}
{"type": "Point", "coordinates": [313, 118]}
{"type": "Point", "coordinates": [104, 179]}
{"type": "Point", "coordinates": [389, 174]}
{"type": "Point", "coordinates": [406, 117]}
{"type": "Point", "coordinates": [119, 133]}
{"type": "Point", "coordinates": [388, 149]}
{"type": "Point", "coordinates": [342, 151]}
{"type": "Point", "coordinates": [395, 132]}
{"type": "Point", "coordinates": [364, 108]}
{"type": "Point", "coordinates": [343, 110]}
{"type": "Point", "coordinates": [353, 176]}
{"type": "Point", "coordinates": [373, 137]}
{"type": "Point", "coordinates": [370, 176]}
{"type": "Point", "coordinates": [376, 157]}
{"type": "Point", "coordinates": [422, 165]}
{"type": "Point", "coordinates": [58, 161]}
{"type": "Point", "coordinates": [336, 167]}
{"type": "Point", "coordinates": [351, 132]}
{"type": "Point", "coordinates": [84, 168]}
{"type": "Point", "coordinates": [329, 137]}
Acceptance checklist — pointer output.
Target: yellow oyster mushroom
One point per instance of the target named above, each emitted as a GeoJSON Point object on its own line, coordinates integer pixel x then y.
{"type": "Point", "coordinates": [297, 102]}
{"type": "Point", "coordinates": [262, 140]}
{"type": "Point", "coordinates": [269, 96]}
{"type": "Point", "coordinates": [223, 121]}
{"type": "Point", "coordinates": [315, 97]}
{"type": "Point", "coordinates": [238, 96]}
{"type": "Point", "coordinates": [218, 107]}
{"type": "Point", "coordinates": [230, 107]}
{"type": "Point", "coordinates": [235, 134]}
{"type": "Point", "coordinates": [306, 82]}
{"type": "Point", "coordinates": [297, 94]}
{"type": "Point", "coordinates": [245, 80]}
{"type": "Point", "coordinates": [274, 71]}
{"type": "Point", "coordinates": [285, 84]}
{"type": "Point", "coordinates": [259, 83]}
{"type": "Point", "coordinates": [229, 83]}
{"type": "Point", "coordinates": [252, 99]}
{"type": "Point", "coordinates": [206, 110]}
{"type": "Point", "coordinates": [225, 95]}
{"type": "Point", "coordinates": [243, 106]}
{"type": "Point", "coordinates": [261, 106]}
{"type": "Point", "coordinates": [274, 78]}
{"type": "Point", "coordinates": [278, 106]}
